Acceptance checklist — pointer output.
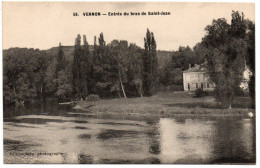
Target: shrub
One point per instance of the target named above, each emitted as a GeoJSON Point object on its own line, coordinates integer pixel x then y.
{"type": "Point", "coordinates": [164, 88]}
{"type": "Point", "coordinates": [209, 93]}
{"type": "Point", "coordinates": [92, 97]}
{"type": "Point", "coordinates": [199, 93]}
{"type": "Point", "coordinates": [239, 92]}
{"type": "Point", "coordinates": [176, 87]}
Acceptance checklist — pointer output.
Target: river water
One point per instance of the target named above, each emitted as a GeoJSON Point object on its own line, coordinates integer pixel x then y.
{"type": "Point", "coordinates": [48, 133]}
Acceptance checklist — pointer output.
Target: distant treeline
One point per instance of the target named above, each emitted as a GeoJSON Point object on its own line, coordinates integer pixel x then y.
{"type": "Point", "coordinates": [120, 69]}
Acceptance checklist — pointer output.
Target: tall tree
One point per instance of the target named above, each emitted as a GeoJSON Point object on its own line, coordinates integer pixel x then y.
{"type": "Point", "coordinates": [85, 64]}
{"type": "Point", "coordinates": [226, 52]}
{"type": "Point", "coordinates": [155, 72]}
{"type": "Point", "coordinates": [251, 58]}
{"type": "Point", "coordinates": [76, 68]}
{"type": "Point", "coordinates": [150, 65]}
{"type": "Point", "coordinates": [60, 60]}
{"type": "Point", "coordinates": [102, 68]}
{"type": "Point", "coordinates": [94, 65]}
{"type": "Point", "coordinates": [80, 68]}
{"type": "Point", "coordinates": [89, 66]}
{"type": "Point", "coordinates": [134, 68]}
{"type": "Point", "coordinates": [43, 63]}
{"type": "Point", "coordinates": [119, 53]}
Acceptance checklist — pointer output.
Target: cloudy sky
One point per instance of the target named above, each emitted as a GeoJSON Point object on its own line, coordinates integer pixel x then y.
{"type": "Point", "coordinates": [44, 25]}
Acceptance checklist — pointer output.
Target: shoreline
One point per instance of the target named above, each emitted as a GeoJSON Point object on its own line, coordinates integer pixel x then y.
{"type": "Point", "coordinates": [162, 106]}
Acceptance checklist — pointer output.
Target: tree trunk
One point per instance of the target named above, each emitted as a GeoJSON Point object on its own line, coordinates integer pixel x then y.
{"type": "Point", "coordinates": [140, 91]}
{"type": "Point", "coordinates": [122, 87]}
{"type": "Point", "coordinates": [119, 95]}
{"type": "Point", "coordinates": [43, 93]}
{"type": "Point", "coordinates": [14, 90]}
{"type": "Point", "coordinates": [14, 86]}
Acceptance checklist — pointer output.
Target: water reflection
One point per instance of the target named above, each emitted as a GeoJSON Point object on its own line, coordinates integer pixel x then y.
{"type": "Point", "coordinates": [60, 135]}
{"type": "Point", "coordinates": [202, 141]}
{"type": "Point", "coordinates": [234, 141]}
{"type": "Point", "coordinates": [187, 142]}
{"type": "Point", "coordinates": [153, 134]}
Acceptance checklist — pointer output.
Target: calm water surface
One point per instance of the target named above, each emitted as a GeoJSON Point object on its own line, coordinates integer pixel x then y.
{"type": "Point", "coordinates": [47, 133]}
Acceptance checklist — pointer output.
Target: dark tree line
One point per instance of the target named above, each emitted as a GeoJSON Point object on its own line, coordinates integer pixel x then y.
{"type": "Point", "coordinates": [116, 69]}
{"type": "Point", "coordinates": [24, 74]}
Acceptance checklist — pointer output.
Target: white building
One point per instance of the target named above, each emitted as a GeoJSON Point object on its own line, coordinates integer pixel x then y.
{"type": "Point", "coordinates": [196, 77]}
{"type": "Point", "coordinates": [244, 84]}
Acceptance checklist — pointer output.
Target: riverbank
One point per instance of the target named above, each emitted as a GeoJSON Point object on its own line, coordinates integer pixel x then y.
{"type": "Point", "coordinates": [168, 104]}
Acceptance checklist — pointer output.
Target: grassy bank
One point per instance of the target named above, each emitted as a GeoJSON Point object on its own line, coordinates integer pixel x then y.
{"type": "Point", "coordinates": [168, 104]}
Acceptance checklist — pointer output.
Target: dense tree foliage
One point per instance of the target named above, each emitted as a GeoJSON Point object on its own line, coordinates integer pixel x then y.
{"type": "Point", "coordinates": [171, 72]}
{"type": "Point", "coordinates": [251, 57]}
{"type": "Point", "coordinates": [62, 84]}
{"type": "Point", "coordinates": [60, 61]}
{"type": "Point", "coordinates": [226, 54]}
{"type": "Point", "coordinates": [24, 74]}
{"type": "Point", "coordinates": [117, 68]}
{"type": "Point", "coordinates": [80, 68]}
{"type": "Point", "coordinates": [150, 65]}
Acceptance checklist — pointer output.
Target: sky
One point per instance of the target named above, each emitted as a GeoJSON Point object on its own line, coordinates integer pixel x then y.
{"type": "Point", "coordinates": [45, 24]}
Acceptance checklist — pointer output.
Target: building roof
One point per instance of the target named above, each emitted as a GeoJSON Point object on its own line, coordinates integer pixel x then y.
{"type": "Point", "coordinates": [196, 68]}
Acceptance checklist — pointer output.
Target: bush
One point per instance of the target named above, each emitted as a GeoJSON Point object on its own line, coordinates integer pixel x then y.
{"type": "Point", "coordinates": [199, 93]}
{"type": "Point", "coordinates": [163, 88]}
{"type": "Point", "coordinates": [92, 97]}
{"type": "Point", "coordinates": [176, 87]}
{"type": "Point", "coordinates": [239, 92]}
{"type": "Point", "coordinates": [209, 93]}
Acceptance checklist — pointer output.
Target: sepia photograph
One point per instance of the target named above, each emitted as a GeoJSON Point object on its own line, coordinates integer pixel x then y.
{"type": "Point", "coordinates": [128, 83]}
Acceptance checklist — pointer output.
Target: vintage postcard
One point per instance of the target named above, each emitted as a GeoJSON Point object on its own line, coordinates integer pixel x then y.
{"type": "Point", "coordinates": [128, 83]}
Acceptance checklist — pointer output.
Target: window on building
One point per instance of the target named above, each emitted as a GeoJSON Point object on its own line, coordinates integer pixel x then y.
{"type": "Point", "coordinates": [207, 85]}
{"type": "Point", "coordinates": [201, 77]}
{"type": "Point", "coordinates": [187, 77]}
{"type": "Point", "coordinates": [205, 77]}
{"type": "Point", "coordinates": [201, 85]}
{"type": "Point", "coordinates": [196, 86]}
{"type": "Point", "coordinates": [188, 86]}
